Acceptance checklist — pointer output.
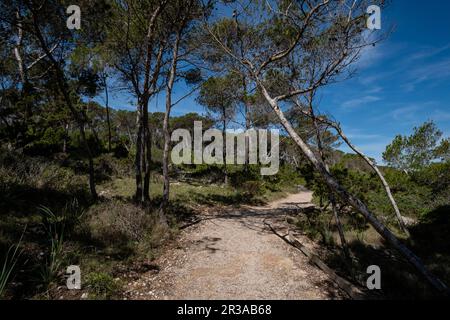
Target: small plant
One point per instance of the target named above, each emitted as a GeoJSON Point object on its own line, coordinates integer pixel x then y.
{"type": "Point", "coordinates": [327, 236]}
{"type": "Point", "coordinates": [360, 235]}
{"type": "Point", "coordinates": [11, 258]}
{"type": "Point", "coordinates": [102, 286]}
{"type": "Point", "coordinates": [54, 226]}
{"type": "Point", "coordinates": [252, 189]}
{"type": "Point", "coordinates": [50, 269]}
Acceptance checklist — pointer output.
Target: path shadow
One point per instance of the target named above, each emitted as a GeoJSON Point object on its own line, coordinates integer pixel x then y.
{"type": "Point", "coordinates": [206, 244]}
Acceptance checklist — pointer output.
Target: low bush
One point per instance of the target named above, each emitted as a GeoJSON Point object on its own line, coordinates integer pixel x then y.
{"type": "Point", "coordinates": [108, 166]}
{"type": "Point", "coordinates": [116, 221]}
{"type": "Point", "coordinates": [102, 286]}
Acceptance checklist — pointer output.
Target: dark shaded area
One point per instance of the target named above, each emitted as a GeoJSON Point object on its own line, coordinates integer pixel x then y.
{"type": "Point", "coordinates": [430, 239]}
{"type": "Point", "coordinates": [234, 199]}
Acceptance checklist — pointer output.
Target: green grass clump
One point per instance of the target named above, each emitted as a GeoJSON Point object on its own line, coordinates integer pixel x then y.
{"type": "Point", "coordinates": [102, 286]}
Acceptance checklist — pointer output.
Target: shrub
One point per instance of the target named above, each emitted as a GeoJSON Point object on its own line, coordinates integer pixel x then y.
{"type": "Point", "coordinates": [316, 225]}
{"type": "Point", "coordinates": [102, 286]}
{"type": "Point", "coordinates": [120, 150]}
{"type": "Point", "coordinates": [436, 176]}
{"type": "Point", "coordinates": [251, 189]}
{"type": "Point", "coordinates": [239, 176]}
{"type": "Point", "coordinates": [77, 144]}
{"type": "Point", "coordinates": [37, 172]}
{"type": "Point", "coordinates": [49, 142]}
{"type": "Point", "coordinates": [118, 221]}
{"type": "Point", "coordinates": [212, 173]}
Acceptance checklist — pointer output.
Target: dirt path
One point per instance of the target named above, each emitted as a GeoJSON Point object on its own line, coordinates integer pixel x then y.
{"type": "Point", "coordinates": [233, 255]}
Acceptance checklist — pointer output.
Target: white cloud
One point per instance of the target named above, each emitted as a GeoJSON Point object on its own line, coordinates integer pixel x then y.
{"type": "Point", "coordinates": [440, 115]}
{"type": "Point", "coordinates": [363, 136]}
{"type": "Point", "coordinates": [375, 90]}
{"type": "Point", "coordinates": [416, 67]}
{"type": "Point", "coordinates": [357, 102]}
{"type": "Point", "coordinates": [428, 52]}
{"type": "Point", "coordinates": [405, 112]}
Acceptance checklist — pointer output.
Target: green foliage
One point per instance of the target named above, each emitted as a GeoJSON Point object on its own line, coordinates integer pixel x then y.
{"type": "Point", "coordinates": [443, 150]}
{"type": "Point", "coordinates": [41, 118]}
{"type": "Point", "coordinates": [47, 142]}
{"type": "Point", "coordinates": [220, 96]}
{"type": "Point", "coordinates": [315, 224]}
{"type": "Point", "coordinates": [356, 182]}
{"type": "Point", "coordinates": [354, 162]}
{"type": "Point", "coordinates": [27, 182]}
{"type": "Point", "coordinates": [115, 220]}
{"type": "Point", "coordinates": [77, 145]}
{"type": "Point", "coordinates": [102, 286]}
{"type": "Point", "coordinates": [421, 191]}
{"type": "Point", "coordinates": [54, 226]}
{"type": "Point", "coordinates": [239, 175]}
{"type": "Point", "coordinates": [10, 260]}
{"type": "Point", "coordinates": [436, 176]}
{"type": "Point", "coordinates": [416, 194]}
{"type": "Point", "coordinates": [418, 150]}
{"type": "Point", "coordinates": [108, 166]}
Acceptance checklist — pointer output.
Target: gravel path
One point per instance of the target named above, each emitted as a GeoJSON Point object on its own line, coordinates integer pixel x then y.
{"type": "Point", "coordinates": [233, 255]}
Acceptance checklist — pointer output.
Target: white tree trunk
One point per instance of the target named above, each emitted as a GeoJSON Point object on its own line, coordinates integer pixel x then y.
{"type": "Point", "coordinates": [353, 201]}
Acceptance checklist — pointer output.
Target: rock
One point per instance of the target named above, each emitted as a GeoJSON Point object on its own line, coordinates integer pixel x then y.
{"type": "Point", "coordinates": [409, 221]}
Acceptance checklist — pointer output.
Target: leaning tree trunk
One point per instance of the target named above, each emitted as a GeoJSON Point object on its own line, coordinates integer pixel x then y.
{"type": "Point", "coordinates": [352, 200]}
{"type": "Point", "coordinates": [373, 166]}
{"type": "Point", "coordinates": [382, 179]}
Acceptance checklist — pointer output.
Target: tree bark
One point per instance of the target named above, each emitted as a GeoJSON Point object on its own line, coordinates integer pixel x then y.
{"type": "Point", "coordinates": [66, 133]}
{"type": "Point", "coordinates": [23, 71]}
{"type": "Point", "coordinates": [166, 189]}
{"type": "Point", "coordinates": [169, 88]}
{"type": "Point", "coordinates": [138, 163]}
{"type": "Point", "coordinates": [108, 120]}
{"type": "Point", "coordinates": [143, 143]}
{"type": "Point", "coordinates": [247, 124]}
{"type": "Point", "coordinates": [147, 161]}
{"type": "Point", "coordinates": [224, 148]}
{"type": "Point", "coordinates": [17, 54]}
{"type": "Point", "coordinates": [224, 152]}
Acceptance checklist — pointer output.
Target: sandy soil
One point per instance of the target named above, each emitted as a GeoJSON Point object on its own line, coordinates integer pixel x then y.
{"type": "Point", "coordinates": [234, 255]}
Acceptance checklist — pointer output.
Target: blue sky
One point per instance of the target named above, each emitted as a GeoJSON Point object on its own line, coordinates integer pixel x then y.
{"type": "Point", "coordinates": [399, 84]}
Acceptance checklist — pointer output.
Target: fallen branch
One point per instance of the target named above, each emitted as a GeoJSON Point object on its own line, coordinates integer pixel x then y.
{"type": "Point", "coordinates": [345, 285]}
{"type": "Point", "coordinates": [350, 289]}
